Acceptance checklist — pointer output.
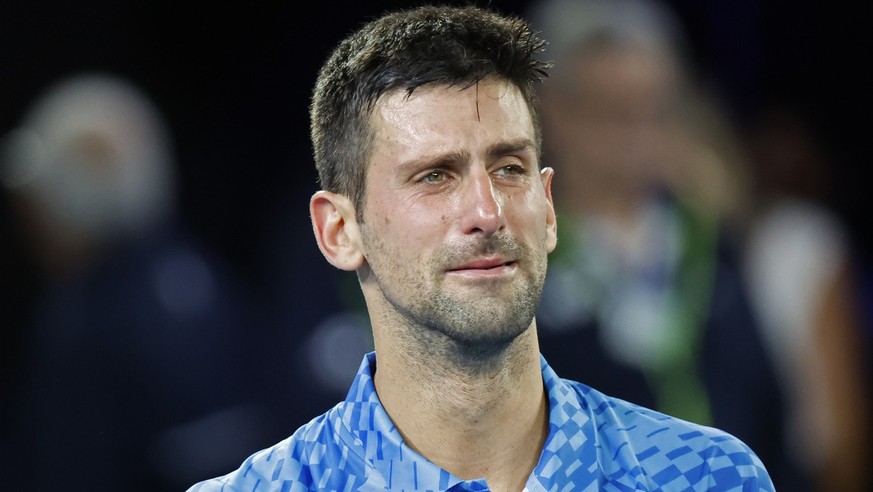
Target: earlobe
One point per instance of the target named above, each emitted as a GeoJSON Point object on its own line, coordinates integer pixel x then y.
{"type": "Point", "coordinates": [551, 218]}
{"type": "Point", "coordinates": [336, 230]}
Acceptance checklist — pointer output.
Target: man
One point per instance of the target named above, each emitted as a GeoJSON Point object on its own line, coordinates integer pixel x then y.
{"type": "Point", "coordinates": [427, 147]}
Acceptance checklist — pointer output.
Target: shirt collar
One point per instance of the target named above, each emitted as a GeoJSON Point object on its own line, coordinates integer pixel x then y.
{"type": "Point", "coordinates": [368, 431]}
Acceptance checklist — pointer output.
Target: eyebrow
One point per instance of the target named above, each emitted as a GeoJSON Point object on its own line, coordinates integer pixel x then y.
{"type": "Point", "coordinates": [492, 152]}
{"type": "Point", "coordinates": [511, 147]}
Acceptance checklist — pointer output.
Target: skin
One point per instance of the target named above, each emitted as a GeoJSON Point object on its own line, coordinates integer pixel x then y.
{"type": "Point", "coordinates": [451, 254]}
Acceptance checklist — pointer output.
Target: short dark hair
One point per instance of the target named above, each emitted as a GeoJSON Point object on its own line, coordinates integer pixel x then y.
{"type": "Point", "coordinates": [406, 49]}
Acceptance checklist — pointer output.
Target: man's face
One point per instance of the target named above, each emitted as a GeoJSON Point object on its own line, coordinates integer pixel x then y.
{"type": "Point", "coordinates": [458, 219]}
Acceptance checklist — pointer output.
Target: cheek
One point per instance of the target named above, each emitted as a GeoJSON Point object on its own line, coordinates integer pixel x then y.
{"type": "Point", "coordinates": [530, 204]}
{"type": "Point", "coordinates": [418, 234]}
{"type": "Point", "coordinates": [404, 228]}
{"type": "Point", "coordinates": [532, 213]}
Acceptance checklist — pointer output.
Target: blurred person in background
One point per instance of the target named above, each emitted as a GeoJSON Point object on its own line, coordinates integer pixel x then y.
{"type": "Point", "coordinates": [645, 296]}
{"type": "Point", "coordinates": [134, 351]}
{"type": "Point", "coordinates": [803, 268]}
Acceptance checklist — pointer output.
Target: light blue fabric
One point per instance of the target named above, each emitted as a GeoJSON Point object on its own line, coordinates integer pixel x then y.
{"type": "Point", "coordinates": [595, 443]}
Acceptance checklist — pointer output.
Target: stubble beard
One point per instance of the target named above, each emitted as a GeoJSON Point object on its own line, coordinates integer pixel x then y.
{"type": "Point", "coordinates": [472, 333]}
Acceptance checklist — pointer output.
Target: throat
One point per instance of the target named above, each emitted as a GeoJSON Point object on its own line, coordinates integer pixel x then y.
{"type": "Point", "coordinates": [489, 422]}
{"type": "Point", "coordinates": [497, 442]}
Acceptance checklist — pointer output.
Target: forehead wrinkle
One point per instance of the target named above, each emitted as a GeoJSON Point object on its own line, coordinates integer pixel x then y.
{"type": "Point", "coordinates": [478, 115]}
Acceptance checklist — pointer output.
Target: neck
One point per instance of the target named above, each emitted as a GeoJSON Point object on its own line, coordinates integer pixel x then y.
{"type": "Point", "coordinates": [491, 422]}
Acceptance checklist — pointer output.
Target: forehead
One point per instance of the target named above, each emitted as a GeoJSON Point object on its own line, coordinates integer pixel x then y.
{"type": "Point", "coordinates": [447, 118]}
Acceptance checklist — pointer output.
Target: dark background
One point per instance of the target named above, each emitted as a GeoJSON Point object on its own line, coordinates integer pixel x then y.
{"type": "Point", "coordinates": [233, 81]}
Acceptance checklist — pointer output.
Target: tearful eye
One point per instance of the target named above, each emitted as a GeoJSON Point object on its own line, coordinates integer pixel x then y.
{"type": "Point", "coordinates": [434, 177]}
{"type": "Point", "coordinates": [507, 171]}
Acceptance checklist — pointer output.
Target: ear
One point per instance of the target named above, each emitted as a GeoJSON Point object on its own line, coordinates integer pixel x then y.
{"type": "Point", "coordinates": [551, 218]}
{"type": "Point", "coordinates": [336, 230]}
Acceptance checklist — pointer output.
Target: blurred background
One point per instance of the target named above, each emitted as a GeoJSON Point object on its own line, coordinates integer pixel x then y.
{"type": "Point", "coordinates": [164, 310]}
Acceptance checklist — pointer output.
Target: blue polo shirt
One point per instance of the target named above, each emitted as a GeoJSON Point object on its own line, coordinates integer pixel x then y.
{"type": "Point", "coordinates": [595, 443]}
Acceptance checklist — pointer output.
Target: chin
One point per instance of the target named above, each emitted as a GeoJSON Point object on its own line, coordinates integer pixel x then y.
{"type": "Point", "coordinates": [479, 354]}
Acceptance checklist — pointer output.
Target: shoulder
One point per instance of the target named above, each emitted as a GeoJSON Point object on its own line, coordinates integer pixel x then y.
{"type": "Point", "coordinates": [294, 463]}
{"type": "Point", "coordinates": [260, 468]}
{"type": "Point", "coordinates": [648, 446]}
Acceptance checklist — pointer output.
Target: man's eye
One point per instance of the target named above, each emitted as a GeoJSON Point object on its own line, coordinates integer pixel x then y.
{"type": "Point", "coordinates": [434, 177]}
{"type": "Point", "coordinates": [507, 171]}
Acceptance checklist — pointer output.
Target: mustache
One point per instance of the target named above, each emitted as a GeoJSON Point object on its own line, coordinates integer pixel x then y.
{"type": "Point", "coordinates": [500, 244]}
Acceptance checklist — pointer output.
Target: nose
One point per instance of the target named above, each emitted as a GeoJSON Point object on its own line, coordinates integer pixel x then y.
{"type": "Point", "coordinates": [482, 207]}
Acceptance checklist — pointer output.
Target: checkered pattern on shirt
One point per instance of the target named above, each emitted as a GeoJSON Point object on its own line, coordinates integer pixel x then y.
{"type": "Point", "coordinates": [595, 443]}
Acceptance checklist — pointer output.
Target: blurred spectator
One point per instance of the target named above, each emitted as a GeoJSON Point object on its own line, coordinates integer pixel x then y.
{"type": "Point", "coordinates": [133, 375]}
{"type": "Point", "coordinates": [804, 274]}
{"type": "Point", "coordinates": [645, 297]}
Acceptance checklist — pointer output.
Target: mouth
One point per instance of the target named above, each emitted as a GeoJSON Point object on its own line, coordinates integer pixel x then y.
{"type": "Point", "coordinates": [485, 266]}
